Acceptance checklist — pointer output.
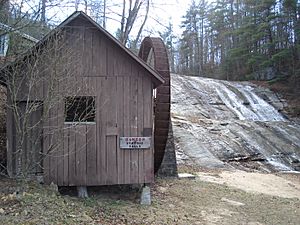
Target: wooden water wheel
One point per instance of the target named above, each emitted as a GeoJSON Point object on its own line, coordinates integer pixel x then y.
{"type": "Point", "coordinates": [154, 53]}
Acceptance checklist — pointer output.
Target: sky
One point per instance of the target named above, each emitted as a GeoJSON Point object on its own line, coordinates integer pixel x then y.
{"type": "Point", "coordinates": [161, 13]}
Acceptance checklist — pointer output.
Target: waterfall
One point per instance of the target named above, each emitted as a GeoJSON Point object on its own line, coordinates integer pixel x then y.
{"type": "Point", "coordinates": [218, 121]}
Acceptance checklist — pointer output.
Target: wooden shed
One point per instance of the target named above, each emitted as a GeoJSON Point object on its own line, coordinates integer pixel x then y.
{"type": "Point", "coordinates": [98, 128]}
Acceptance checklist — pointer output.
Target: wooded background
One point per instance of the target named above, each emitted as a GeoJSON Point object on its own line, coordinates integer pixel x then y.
{"type": "Point", "coordinates": [225, 39]}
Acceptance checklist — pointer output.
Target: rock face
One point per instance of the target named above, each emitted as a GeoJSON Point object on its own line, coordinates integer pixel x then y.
{"type": "Point", "coordinates": [232, 124]}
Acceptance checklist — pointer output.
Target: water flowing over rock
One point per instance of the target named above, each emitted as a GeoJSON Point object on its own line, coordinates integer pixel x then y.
{"type": "Point", "coordinates": [232, 124]}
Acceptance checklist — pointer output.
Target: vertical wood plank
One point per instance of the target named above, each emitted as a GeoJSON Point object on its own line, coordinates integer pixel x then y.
{"type": "Point", "coordinates": [148, 123]}
{"type": "Point", "coordinates": [126, 153]}
{"type": "Point", "coordinates": [98, 103]}
{"type": "Point", "coordinates": [111, 124]}
{"type": "Point", "coordinates": [140, 128]}
{"type": "Point", "coordinates": [10, 136]}
{"type": "Point", "coordinates": [80, 46]}
{"type": "Point", "coordinates": [87, 52]}
{"type": "Point", "coordinates": [53, 144]}
{"type": "Point", "coordinates": [118, 63]}
{"type": "Point", "coordinates": [133, 127]}
{"type": "Point", "coordinates": [120, 122]}
{"type": "Point", "coordinates": [21, 156]}
{"type": "Point", "coordinates": [36, 142]}
{"type": "Point", "coordinates": [111, 58]}
{"type": "Point", "coordinates": [96, 43]}
{"type": "Point", "coordinates": [66, 155]}
{"type": "Point", "coordinates": [60, 142]}
{"type": "Point", "coordinates": [29, 154]}
{"type": "Point", "coordinates": [103, 104]}
{"type": "Point", "coordinates": [80, 155]}
{"type": "Point", "coordinates": [72, 156]}
{"type": "Point", "coordinates": [103, 58]}
{"type": "Point", "coordinates": [99, 54]}
{"type": "Point", "coordinates": [112, 170]}
{"type": "Point", "coordinates": [91, 139]}
{"type": "Point", "coordinates": [46, 144]}
{"type": "Point", "coordinates": [91, 157]}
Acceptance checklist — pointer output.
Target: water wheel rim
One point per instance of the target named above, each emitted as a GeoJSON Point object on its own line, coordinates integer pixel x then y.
{"type": "Point", "coordinates": [154, 53]}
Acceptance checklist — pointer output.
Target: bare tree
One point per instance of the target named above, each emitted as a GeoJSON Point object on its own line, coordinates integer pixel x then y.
{"type": "Point", "coordinates": [137, 38]}
{"type": "Point", "coordinates": [39, 84]}
{"type": "Point", "coordinates": [130, 13]}
{"type": "Point", "coordinates": [43, 11]}
{"type": "Point", "coordinates": [95, 8]}
{"type": "Point", "coordinates": [4, 10]}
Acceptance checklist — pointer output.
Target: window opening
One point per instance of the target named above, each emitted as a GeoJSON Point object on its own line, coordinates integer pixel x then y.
{"type": "Point", "coordinates": [80, 109]}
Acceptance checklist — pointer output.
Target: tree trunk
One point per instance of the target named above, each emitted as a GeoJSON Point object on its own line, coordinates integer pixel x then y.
{"type": "Point", "coordinates": [104, 14]}
{"type": "Point", "coordinates": [142, 26]}
{"type": "Point", "coordinates": [43, 12]}
{"type": "Point", "coordinates": [4, 10]}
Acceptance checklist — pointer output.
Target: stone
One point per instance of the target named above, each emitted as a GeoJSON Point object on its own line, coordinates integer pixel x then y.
{"type": "Point", "coordinates": [53, 187]}
{"type": "Point", "coordinates": [231, 202]}
{"type": "Point", "coordinates": [146, 196]}
{"type": "Point", "coordinates": [186, 176]}
{"type": "Point", "coordinates": [40, 179]}
{"type": "Point", "coordinates": [82, 192]}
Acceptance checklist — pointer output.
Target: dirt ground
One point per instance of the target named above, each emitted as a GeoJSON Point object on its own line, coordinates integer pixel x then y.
{"type": "Point", "coordinates": [214, 197]}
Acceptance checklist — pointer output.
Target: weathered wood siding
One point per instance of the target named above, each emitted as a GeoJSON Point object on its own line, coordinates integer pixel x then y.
{"type": "Point", "coordinates": [89, 154]}
{"type": "Point", "coordinates": [27, 161]}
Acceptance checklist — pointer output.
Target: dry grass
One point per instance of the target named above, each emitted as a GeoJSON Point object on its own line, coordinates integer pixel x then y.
{"type": "Point", "coordinates": [174, 202]}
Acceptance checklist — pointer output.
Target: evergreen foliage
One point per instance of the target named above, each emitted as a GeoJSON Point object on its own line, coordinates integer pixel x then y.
{"type": "Point", "coordinates": [240, 39]}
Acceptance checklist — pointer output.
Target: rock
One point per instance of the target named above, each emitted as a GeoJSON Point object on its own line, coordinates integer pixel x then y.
{"type": "Point", "coordinates": [146, 196]}
{"type": "Point", "coordinates": [53, 187]}
{"type": "Point", "coordinates": [186, 176]}
{"type": "Point", "coordinates": [162, 189]}
{"type": "Point", "coordinates": [87, 218]}
{"type": "Point", "coordinates": [231, 202]}
{"type": "Point", "coordinates": [12, 196]}
{"type": "Point", "coordinates": [2, 211]}
{"type": "Point", "coordinates": [224, 123]}
{"type": "Point", "coordinates": [82, 192]}
{"type": "Point", "coordinates": [25, 212]}
{"type": "Point", "coordinates": [40, 179]}
{"type": "Point", "coordinates": [253, 129]}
